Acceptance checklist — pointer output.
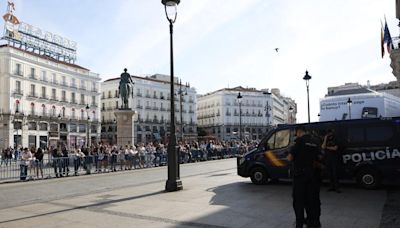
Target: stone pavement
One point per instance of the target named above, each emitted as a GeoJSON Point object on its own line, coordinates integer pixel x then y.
{"type": "Point", "coordinates": [220, 199]}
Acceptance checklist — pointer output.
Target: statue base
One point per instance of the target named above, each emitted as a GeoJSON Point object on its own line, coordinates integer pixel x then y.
{"type": "Point", "coordinates": [125, 127]}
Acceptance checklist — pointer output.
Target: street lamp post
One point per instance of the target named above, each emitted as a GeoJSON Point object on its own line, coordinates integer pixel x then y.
{"type": "Point", "coordinates": [87, 126]}
{"type": "Point", "coordinates": [349, 103]}
{"type": "Point", "coordinates": [173, 183]}
{"type": "Point", "coordinates": [181, 93]}
{"type": "Point", "coordinates": [239, 98]}
{"type": "Point", "coordinates": [307, 79]}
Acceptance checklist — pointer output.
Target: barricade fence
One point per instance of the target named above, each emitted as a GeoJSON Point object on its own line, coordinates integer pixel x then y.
{"type": "Point", "coordinates": [54, 167]}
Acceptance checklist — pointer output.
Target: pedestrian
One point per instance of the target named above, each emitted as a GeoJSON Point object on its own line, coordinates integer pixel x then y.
{"type": "Point", "coordinates": [333, 159]}
{"type": "Point", "coordinates": [114, 156]}
{"type": "Point", "coordinates": [39, 162]}
{"type": "Point", "coordinates": [57, 156]}
{"type": "Point", "coordinates": [304, 155]}
{"type": "Point", "coordinates": [65, 161]}
{"type": "Point", "coordinates": [26, 158]}
{"type": "Point", "coordinates": [78, 157]}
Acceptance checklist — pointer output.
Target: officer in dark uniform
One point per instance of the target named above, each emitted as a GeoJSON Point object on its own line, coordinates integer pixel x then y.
{"type": "Point", "coordinates": [304, 155]}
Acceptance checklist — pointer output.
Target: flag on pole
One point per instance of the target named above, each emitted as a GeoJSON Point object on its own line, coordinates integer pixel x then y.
{"type": "Point", "coordinates": [387, 39]}
{"type": "Point", "coordinates": [382, 41]}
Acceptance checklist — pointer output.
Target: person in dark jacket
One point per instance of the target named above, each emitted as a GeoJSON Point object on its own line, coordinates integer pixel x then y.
{"type": "Point", "coordinates": [304, 155]}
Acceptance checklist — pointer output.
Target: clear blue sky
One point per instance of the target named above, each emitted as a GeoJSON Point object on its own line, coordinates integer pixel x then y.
{"type": "Point", "coordinates": [220, 43]}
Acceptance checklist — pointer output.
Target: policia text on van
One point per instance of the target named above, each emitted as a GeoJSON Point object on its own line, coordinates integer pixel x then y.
{"type": "Point", "coordinates": [370, 151]}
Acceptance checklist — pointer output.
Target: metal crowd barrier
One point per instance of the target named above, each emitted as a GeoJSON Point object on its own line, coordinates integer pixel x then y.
{"type": "Point", "coordinates": [13, 170]}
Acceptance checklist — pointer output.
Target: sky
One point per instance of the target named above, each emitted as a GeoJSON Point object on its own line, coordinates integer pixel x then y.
{"type": "Point", "coordinates": [220, 44]}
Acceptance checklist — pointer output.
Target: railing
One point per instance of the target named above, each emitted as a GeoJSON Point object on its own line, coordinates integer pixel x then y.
{"type": "Point", "coordinates": [15, 169]}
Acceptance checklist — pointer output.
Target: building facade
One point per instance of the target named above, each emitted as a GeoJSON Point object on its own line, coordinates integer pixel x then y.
{"type": "Point", "coordinates": [46, 102]}
{"type": "Point", "coordinates": [354, 101]}
{"type": "Point", "coordinates": [151, 102]}
{"type": "Point", "coordinates": [221, 114]}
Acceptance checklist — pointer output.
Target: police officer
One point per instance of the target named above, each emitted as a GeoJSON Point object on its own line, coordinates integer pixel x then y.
{"type": "Point", "coordinates": [304, 155]}
{"type": "Point", "coordinates": [332, 156]}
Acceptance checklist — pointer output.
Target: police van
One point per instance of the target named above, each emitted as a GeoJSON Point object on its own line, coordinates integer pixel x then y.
{"type": "Point", "coordinates": [369, 149]}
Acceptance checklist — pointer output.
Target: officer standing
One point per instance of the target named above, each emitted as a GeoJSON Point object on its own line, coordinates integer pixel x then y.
{"type": "Point", "coordinates": [304, 155]}
{"type": "Point", "coordinates": [332, 156]}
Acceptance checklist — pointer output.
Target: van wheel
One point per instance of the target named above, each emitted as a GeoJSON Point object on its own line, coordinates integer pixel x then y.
{"type": "Point", "coordinates": [368, 178]}
{"type": "Point", "coordinates": [259, 176]}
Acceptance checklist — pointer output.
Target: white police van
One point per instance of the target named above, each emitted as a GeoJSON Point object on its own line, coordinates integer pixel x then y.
{"type": "Point", "coordinates": [370, 151]}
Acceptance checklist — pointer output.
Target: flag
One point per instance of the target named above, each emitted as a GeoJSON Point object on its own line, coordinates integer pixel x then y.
{"type": "Point", "coordinates": [387, 39]}
{"type": "Point", "coordinates": [382, 42]}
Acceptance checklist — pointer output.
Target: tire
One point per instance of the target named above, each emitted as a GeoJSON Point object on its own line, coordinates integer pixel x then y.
{"type": "Point", "coordinates": [368, 178]}
{"type": "Point", "coordinates": [259, 176]}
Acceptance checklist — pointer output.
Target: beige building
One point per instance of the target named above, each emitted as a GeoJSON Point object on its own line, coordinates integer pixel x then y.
{"type": "Point", "coordinates": [221, 116]}
{"type": "Point", "coordinates": [44, 101]}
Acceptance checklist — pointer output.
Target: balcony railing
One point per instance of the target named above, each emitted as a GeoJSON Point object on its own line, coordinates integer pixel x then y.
{"type": "Point", "coordinates": [18, 73]}
{"type": "Point", "coordinates": [32, 76]}
{"type": "Point", "coordinates": [32, 94]}
{"type": "Point", "coordinates": [18, 92]}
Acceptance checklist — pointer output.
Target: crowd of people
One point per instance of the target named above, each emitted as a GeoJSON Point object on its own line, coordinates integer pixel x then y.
{"type": "Point", "coordinates": [111, 158]}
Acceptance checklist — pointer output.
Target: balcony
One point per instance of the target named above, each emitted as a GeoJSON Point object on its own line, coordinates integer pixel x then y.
{"type": "Point", "coordinates": [94, 90]}
{"type": "Point", "coordinates": [74, 86]}
{"type": "Point", "coordinates": [55, 82]}
{"type": "Point", "coordinates": [94, 104]}
{"type": "Point", "coordinates": [148, 107]}
{"type": "Point", "coordinates": [44, 80]}
{"type": "Point", "coordinates": [82, 87]}
{"type": "Point", "coordinates": [139, 106]}
{"type": "Point", "coordinates": [32, 94]}
{"type": "Point", "coordinates": [44, 97]}
{"type": "Point", "coordinates": [148, 96]}
{"type": "Point", "coordinates": [33, 77]}
{"type": "Point", "coordinates": [64, 84]}
{"type": "Point", "coordinates": [19, 73]}
{"type": "Point", "coordinates": [64, 100]}
{"type": "Point", "coordinates": [74, 102]}
{"type": "Point", "coordinates": [18, 92]}
{"type": "Point", "coordinates": [138, 94]}
{"type": "Point", "coordinates": [54, 98]}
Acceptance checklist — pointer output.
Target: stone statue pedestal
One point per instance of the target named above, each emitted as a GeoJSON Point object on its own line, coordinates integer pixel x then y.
{"type": "Point", "coordinates": [125, 127]}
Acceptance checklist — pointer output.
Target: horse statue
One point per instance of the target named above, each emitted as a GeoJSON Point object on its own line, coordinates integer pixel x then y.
{"type": "Point", "coordinates": [125, 88]}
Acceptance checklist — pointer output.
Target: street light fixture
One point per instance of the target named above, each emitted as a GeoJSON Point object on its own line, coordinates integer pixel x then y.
{"type": "Point", "coordinates": [173, 183]}
{"type": "Point", "coordinates": [349, 103]}
{"type": "Point", "coordinates": [291, 114]}
{"type": "Point", "coordinates": [239, 99]}
{"type": "Point", "coordinates": [307, 79]}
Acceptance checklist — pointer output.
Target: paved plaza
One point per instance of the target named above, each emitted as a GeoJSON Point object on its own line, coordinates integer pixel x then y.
{"type": "Point", "coordinates": [213, 196]}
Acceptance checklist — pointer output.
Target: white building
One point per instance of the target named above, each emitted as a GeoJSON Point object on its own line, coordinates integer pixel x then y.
{"type": "Point", "coordinates": [353, 101]}
{"type": "Point", "coordinates": [152, 103]}
{"type": "Point", "coordinates": [43, 100]}
{"type": "Point", "coordinates": [221, 116]}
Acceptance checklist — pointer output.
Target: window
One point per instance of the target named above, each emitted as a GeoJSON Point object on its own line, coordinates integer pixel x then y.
{"type": "Point", "coordinates": [18, 86]}
{"type": "Point", "coordinates": [32, 109]}
{"type": "Point", "coordinates": [379, 134]}
{"type": "Point", "coordinates": [64, 95]}
{"type": "Point", "coordinates": [93, 100]}
{"type": "Point", "coordinates": [44, 77]}
{"type": "Point", "coordinates": [53, 94]}
{"type": "Point", "coordinates": [18, 69]}
{"type": "Point", "coordinates": [55, 78]}
{"type": "Point", "coordinates": [44, 110]}
{"type": "Point", "coordinates": [63, 111]}
{"type": "Point", "coordinates": [32, 126]}
{"type": "Point", "coordinates": [73, 83]}
{"type": "Point", "coordinates": [73, 98]}
{"type": "Point", "coordinates": [43, 126]}
{"type": "Point", "coordinates": [72, 128]}
{"type": "Point", "coordinates": [32, 75]}
{"type": "Point", "coordinates": [116, 104]}
{"type": "Point", "coordinates": [109, 94]}
{"type": "Point", "coordinates": [43, 92]}
{"type": "Point", "coordinates": [33, 90]}
{"type": "Point", "coordinates": [64, 81]}
{"type": "Point", "coordinates": [278, 140]}
{"type": "Point", "coordinates": [82, 99]}
{"type": "Point", "coordinates": [355, 135]}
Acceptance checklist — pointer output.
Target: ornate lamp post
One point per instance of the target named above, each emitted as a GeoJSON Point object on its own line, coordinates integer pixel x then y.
{"type": "Point", "coordinates": [239, 99]}
{"type": "Point", "coordinates": [173, 183]}
{"type": "Point", "coordinates": [349, 103]}
{"type": "Point", "coordinates": [307, 79]}
{"type": "Point", "coordinates": [87, 126]}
